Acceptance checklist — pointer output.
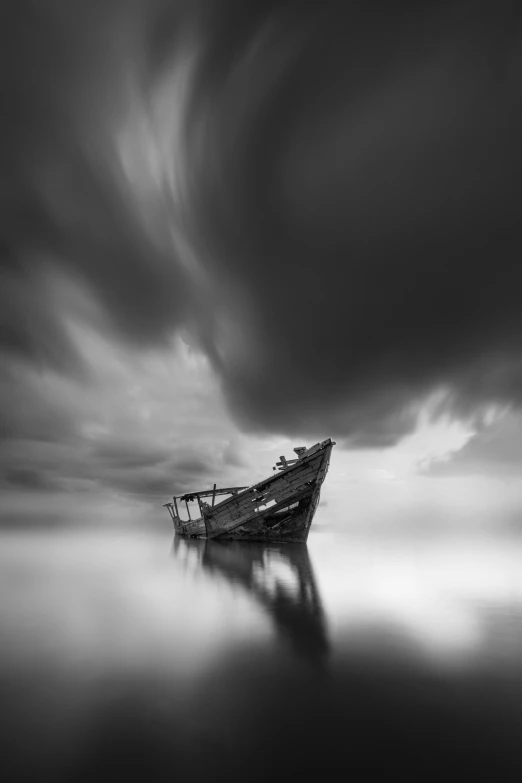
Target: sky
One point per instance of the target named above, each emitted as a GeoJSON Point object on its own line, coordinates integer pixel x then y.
{"type": "Point", "coordinates": [234, 227]}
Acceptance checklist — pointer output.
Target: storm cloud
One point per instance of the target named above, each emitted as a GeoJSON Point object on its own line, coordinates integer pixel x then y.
{"type": "Point", "coordinates": [325, 196]}
{"type": "Point", "coordinates": [143, 427]}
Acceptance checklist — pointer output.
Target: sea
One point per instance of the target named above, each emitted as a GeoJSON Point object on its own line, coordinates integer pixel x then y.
{"type": "Point", "coordinates": [135, 655]}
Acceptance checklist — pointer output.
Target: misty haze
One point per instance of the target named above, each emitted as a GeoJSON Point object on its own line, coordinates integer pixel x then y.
{"type": "Point", "coordinates": [231, 230]}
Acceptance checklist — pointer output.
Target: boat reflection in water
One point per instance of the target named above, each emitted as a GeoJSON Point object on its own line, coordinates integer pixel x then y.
{"type": "Point", "coordinates": [279, 577]}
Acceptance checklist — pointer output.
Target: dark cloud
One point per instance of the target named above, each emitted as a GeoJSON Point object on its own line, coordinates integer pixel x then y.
{"type": "Point", "coordinates": [157, 480]}
{"type": "Point", "coordinates": [28, 478]}
{"type": "Point", "coordinates": [325, 194]}
{"type": "Point", "coordinates": [365, 190]}
{"type": "Point", "coordinates": [29, 327]}
{"type": "Point", "coordinates": [129, 453]}
{"type": "Point", "coordinates": [192, 465]}
{"type": "Point", "coordinates": [134, 469]}
{"type": "Point", "coordinates": [66, 68]}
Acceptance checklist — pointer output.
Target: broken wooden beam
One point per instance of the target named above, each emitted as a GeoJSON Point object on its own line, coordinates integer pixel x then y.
{"type": "Point", "coordinates": [206, 493]}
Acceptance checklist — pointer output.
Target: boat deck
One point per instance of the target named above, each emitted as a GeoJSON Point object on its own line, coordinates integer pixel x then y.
{"type": "Point", "coordinates": [280, 507]}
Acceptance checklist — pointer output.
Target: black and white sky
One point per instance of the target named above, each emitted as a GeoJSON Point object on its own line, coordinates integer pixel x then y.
{"type": "Point", "coordinates": [232, 226]}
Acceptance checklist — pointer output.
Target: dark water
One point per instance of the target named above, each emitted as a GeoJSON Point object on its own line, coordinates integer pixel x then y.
{"type": "Point", "coordinates": [135, 657]}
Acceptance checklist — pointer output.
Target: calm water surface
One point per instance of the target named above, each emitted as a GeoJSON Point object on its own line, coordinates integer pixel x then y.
{"type": "Point", "coordinates": [137, 656]}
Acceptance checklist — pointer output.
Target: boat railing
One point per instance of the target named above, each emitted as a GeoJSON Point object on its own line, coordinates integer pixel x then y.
{"type": "Point", "coordinates": [190, 497]}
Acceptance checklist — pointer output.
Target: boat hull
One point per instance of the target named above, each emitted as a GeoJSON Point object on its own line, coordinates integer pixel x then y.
{"type": "Point", "coordinates": [276, 510]}
{"type": "Point", "coordinates": [293, 527]}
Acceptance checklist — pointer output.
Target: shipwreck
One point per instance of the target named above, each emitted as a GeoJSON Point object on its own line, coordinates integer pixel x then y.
{"type": "Point", "coordinates": [277, 509]}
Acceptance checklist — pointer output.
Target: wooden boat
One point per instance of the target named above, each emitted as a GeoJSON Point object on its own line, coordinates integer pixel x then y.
{"type": "Point", "coordinates": [280, 508]}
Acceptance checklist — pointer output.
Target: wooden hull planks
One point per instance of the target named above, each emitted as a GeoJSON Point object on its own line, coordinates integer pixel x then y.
{"type": "Point", "coordinates": [278, 509]}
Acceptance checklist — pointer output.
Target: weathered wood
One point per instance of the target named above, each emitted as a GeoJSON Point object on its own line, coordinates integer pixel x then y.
{"type": "Point", "coordinates": [245, 511]}
{"type": "Point", "coordinates": [194, 528]}
{"type": "Point", "coordinates": [275, 482]}
{"type": "Point", "coordinates": [237, 520]}
{"type": "Point", "coordinates": [209, 492]}
{"type": "Point", "coordinates": [283, 487]}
